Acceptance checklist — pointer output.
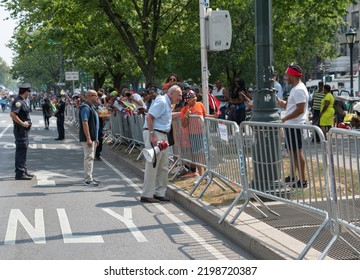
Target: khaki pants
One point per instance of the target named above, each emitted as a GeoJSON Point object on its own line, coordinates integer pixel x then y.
{"type": "Point", "coordinates": [89, 155]}
{"type": "Point", "coordinates": [156, 179]}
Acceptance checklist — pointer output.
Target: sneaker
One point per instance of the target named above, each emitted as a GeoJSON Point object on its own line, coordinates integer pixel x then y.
{"type": "Point", "coordinates": [290, 180]}
{"type": "Point", "coordinates": [91, 183]}
{"type": "Point", "coordinates": [298, 184]}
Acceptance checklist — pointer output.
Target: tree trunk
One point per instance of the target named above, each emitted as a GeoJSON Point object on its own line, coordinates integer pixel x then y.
{"type": "Point", "coordinates": [117, 77]}
{"type": "Point", "coordinates": [99, 79]}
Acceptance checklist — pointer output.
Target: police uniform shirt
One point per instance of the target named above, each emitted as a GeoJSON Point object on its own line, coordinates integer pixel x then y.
{"type": "Point", "coordinates": [61, 107]}
{"type": "Point", "coordinates": [20, 107]}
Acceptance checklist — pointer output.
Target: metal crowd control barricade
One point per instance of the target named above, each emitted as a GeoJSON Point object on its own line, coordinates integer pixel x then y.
{"type": "Point", "coordinates": [76, 114]}
{"type": "Point", "coordinates": [190, 143]}
{"type": "Point", "coordinates": [225, 159]}
{"type": "Point", "coordinates": [116, 128]}
{"type": "Point", "coordinates": [267, 164]}
{"type": "Point", "coordinates": [136, 123]}
{"type": "Point", "coordinates": [175, 150]}
{"type": "Point", "coordinates": [221, 154]}
{"type": "Point", "coordinates": [343, 151]}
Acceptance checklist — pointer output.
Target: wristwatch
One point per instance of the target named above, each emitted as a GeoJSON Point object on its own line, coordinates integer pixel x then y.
{"type": "Point", "coordinates": [151, 131]}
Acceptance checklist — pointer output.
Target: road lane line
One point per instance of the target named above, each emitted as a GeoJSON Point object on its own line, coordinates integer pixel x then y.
{"type": "Point", "coordinates": [211, 249]}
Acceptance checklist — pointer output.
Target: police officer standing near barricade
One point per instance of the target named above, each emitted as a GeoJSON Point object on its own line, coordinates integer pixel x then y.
{"type": "Point", "coordinates": [22, 123]}
{"type": "Point", "coordinates": [60, 117]}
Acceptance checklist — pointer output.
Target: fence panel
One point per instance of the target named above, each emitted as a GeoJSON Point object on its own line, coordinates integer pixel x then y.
{"type": "Point", "coordinates": [343, 151]}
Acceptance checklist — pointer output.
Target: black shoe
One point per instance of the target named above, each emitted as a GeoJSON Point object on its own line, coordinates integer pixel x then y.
{"type": "Point", "coordinates": [298, 184]}
{"type": "Point", "coordinates": [162, 198]}
{"type": "Point", "coordinates": [98, 158]}
{"type": "Point", "coordinates": [149, 200]}
{"type": "Point", "coordinates": [23, 177]}
{"type": "Point", "coordinates": [288, 179]}
{"type": "Point", "coordinates": [29, 175]}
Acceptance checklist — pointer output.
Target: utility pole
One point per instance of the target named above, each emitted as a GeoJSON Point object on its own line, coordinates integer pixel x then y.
{"type": "Point", "coordinates": [203, 5]}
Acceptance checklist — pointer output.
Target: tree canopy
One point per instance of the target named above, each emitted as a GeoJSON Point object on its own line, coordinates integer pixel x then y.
{"type": "Point", "coordinates": [133, 42]}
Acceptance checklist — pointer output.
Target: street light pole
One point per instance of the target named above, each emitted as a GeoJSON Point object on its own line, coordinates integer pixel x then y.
{"type": "Point", "coordinates": [266, 156]}
{"type": "Point", "coordinates": [351, 38]}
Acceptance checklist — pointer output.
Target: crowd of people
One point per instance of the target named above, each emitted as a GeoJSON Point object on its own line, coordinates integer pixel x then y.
{"type": "Point", "coordinates": [327, 111]}
{"type": "Point", "coordinates": [156, 103]}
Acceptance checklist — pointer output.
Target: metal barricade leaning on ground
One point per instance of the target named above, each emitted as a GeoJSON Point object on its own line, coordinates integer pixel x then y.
{"type": "Point", "coordinates": [343, 151]}
{"type": "Point", "coordinates": [296, 179]}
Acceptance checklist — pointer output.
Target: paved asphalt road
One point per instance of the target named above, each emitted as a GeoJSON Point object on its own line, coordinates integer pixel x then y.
{"type": "Point", "coordinates": [54, 216]}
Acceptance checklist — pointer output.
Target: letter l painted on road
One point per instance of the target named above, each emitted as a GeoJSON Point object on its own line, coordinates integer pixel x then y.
{"type": "Point", "coordinates": [71, 238]}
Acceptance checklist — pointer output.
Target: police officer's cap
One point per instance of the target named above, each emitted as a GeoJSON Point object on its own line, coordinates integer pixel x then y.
{"type": "Point", "coordinates": [25, 86]}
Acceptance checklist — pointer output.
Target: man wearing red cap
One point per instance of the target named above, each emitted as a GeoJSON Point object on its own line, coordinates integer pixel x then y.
{"type": "Point", "coordinates": [296, 113]}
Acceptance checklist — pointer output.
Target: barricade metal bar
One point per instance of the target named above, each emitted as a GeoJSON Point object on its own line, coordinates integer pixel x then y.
{"type": "Point", "coordinates": [344, 149]}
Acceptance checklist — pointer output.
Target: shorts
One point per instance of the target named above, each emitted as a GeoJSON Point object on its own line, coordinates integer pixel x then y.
{"type": "Point", "coordinates": [293, 139]}
{"type": "Point", "coordinates": [197, 143]}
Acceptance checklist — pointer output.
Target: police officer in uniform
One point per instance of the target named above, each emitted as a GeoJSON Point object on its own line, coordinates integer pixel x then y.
{"type": "Point", "coordinates": [60, 117]}
{"type": "Point", "coordinates": [22, 123]}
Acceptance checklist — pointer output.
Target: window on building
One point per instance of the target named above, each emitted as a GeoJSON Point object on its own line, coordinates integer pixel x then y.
{"type": "Point", "coordinates": [355, 20]}
{"type": "Point", "coordinates": [343, 49]}
{"type": "Point", "coordinates": [343, 27]}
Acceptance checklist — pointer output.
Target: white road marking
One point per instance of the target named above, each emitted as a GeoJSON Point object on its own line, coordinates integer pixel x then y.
{"type": "Point", "coordinates": [42, 177]}
{"type": "Point", "coordinates": [37, 233]}
{"type": "Point", "coordinates": [127, 220]}
{"type": "Point", "coordinates": [69, 237]}
{"type": "Point", "coordinates": [5, 129]}
{"type": "Point", "coordinates": [211, 249]}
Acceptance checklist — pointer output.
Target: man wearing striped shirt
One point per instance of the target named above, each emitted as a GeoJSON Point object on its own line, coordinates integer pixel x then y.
{"type": "Point", "coordinates": [316, 105]}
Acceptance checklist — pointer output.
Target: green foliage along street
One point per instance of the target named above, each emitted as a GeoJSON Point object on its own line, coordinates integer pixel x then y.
{"type": "Point", "coordinates": [116, 42]}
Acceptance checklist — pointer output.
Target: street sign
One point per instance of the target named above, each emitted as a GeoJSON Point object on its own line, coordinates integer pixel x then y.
{"type": "Point", "coordinates": [71, 76]}
{"type": "Point", "coordinates": [60, 84]}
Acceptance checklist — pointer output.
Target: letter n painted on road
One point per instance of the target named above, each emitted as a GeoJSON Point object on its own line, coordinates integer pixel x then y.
{"type": "Point", "coordinates": [37, 232]}
{"type": "Point", "coordinates": [71, 238]}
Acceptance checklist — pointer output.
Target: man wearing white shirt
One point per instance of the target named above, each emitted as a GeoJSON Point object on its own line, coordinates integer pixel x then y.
{"type": "Point", "coordinates": [296, 113]}
{"type": "Point", "coordinates": [157, 125]}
